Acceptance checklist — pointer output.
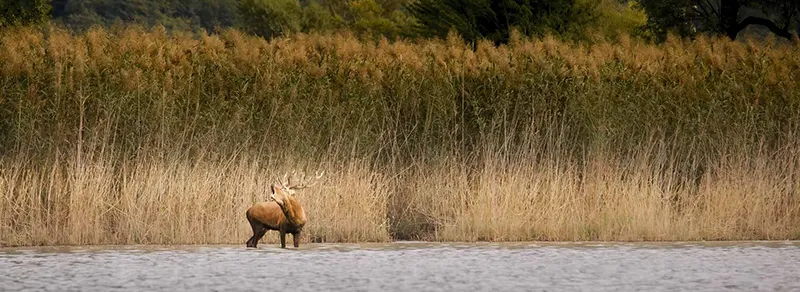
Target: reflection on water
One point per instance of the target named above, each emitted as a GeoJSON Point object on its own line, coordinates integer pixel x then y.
{"type": "Point", "coordinates": [751, 266]}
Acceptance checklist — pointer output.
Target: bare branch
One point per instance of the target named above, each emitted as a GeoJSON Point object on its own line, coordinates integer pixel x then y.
{"type": "Point", "coordinates": [766, 23]}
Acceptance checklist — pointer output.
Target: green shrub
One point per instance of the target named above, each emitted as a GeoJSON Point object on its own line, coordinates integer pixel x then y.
{"type": "Point", "coordinates": [24, 12]}
{"type": "Point", "coordinates": [270, 18]}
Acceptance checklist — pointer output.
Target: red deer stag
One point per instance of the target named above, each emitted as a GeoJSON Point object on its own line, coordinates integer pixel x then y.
{"type": "Point", "coordinates": [282, 212]}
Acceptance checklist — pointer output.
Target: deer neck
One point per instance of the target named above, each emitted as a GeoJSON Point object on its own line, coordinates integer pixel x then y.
{"type": "Point", "coordinates": [293, 212]}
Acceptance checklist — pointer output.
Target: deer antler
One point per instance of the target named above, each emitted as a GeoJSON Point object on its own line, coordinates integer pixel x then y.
{"type": "Point", "coordinates": [283, 181]}
{"type": "Point", "coordinates": [302, 183]}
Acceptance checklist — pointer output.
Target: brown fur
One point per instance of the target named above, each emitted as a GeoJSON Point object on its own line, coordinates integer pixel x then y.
{"type": "Point", "coordinates": [283, 213]}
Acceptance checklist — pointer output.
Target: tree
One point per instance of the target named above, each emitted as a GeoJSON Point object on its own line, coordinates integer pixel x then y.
{"type": "Point", "coordinates": [82, 14]}
{"type": "Point", "coordinates": [207, 14]}
{"type": "Point", "coordinates": [24, 12]}
{"type": "Point", "coordinates": [493, 19]}
{"type": "Point", "coordinates": [270, 18]}
{"type": "Point", "coordinates": [368, 19]}
{"type": "Point", "coordinates": [722, 17]}
{"type": "Point", "coordinates": [618, 17]}
{"type": "Point", "coordinates": [317, 18]}
{"type": "Point", "coordinates": [172, 14]}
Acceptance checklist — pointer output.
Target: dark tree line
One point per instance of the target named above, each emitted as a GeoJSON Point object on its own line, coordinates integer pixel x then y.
{"type": "Point", "coordinates": [174, 14]}
{"type": "Point", "coordinates": [493, 19]}
{"type": "Point", "coordinates": [23, 12]}
{"type": "Point", "coordinates": [721, 17]}
{"type": "Point", "coordinates": [472, 19]}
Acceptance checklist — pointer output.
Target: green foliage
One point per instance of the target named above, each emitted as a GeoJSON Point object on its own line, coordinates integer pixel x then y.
{"type": "Point", "coordinates": [192, 15]}
{"type": "Point", "coordinates": [403, 22]}
{"type": "Point", "coordinates": [267, 18]}
{"type": "Point", "coordinates": [317, 18]}
{"type": "Point", "coordinates": [664, 16]}
{"type": "Point", "coordinates": [472, 19]}
{"type": "Point", "coordinates": [212, 14]}
{"type": "Point", "coordinates": [493, 19]}
{"type": "Point", "coordinates": [24, 12]}
{"type": "Point", "coordinates": [368, 18]}
{"type": "Point", "coordinates": [615, 18]}
{"type": "Point", "coordinates": [270, 18]}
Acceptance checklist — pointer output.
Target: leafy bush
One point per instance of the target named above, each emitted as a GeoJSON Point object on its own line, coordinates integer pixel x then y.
{"type": "Point", "coordinates": [317, 18]}
{"type": "Point", "coordinates": [617, 19]}
{"type": "Point", "coordinates": [493, 20]}
{"type": "Point", "coordinates": [24, 12]}
{"type": "Point", "coordinates": [270, 18]}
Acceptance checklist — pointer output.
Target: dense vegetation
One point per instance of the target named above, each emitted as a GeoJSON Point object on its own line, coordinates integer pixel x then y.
{"type": "Point", "coordinates": [162, 121]}
{"type": "Point", "coordinates": [471, 19]}
{"type": "Point", "coordinates": [137, 136]}
{"type": "Point", "coordinates": [721, 17]}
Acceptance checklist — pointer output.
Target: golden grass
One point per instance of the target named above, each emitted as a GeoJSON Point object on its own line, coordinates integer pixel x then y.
{"type": "Point", "coordinates": [607, 202]}
{"type": "Point", "coordinates": [139, 136]}
{"type": "Point", "coordinates": [172, 202]}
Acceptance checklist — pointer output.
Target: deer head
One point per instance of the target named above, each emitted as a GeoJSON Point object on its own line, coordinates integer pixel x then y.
{"type": "Point", "coordinates": [287, 187]}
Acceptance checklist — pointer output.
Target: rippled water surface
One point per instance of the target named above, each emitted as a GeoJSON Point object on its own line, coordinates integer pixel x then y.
{"type": "Point", "coordinates": [749, 266]}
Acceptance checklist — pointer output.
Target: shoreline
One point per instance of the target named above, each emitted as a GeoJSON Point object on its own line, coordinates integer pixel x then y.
{"type": "Point", "coordinates": [420, 244]}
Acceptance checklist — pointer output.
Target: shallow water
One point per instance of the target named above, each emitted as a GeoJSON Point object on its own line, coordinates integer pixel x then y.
{"type": "Point", "coordinates": [741, 266]}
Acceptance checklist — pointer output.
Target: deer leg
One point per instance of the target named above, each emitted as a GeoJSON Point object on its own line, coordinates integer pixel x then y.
{"type": "Point", "coordinates": [249, 241]}
{"type": "Point", "coordinates": [257, 227]}
{"type": "Point", "coordinates": [283, 238]}
{"type": "Point", "coordinates": [259, 235]}
{"type": "Point", "coordinates": [296, 239]}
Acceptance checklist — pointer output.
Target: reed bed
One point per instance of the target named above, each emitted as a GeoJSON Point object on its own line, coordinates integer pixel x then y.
{"type": "Point", "coordinates": [140, 136]}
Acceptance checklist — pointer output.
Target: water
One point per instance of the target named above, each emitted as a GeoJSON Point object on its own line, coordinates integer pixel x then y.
{"type": "Point", "coordinates": [748, 266]}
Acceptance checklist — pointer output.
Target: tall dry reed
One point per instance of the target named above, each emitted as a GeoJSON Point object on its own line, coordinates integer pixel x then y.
{"type": "Point", "coordinates": [141, 136]}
